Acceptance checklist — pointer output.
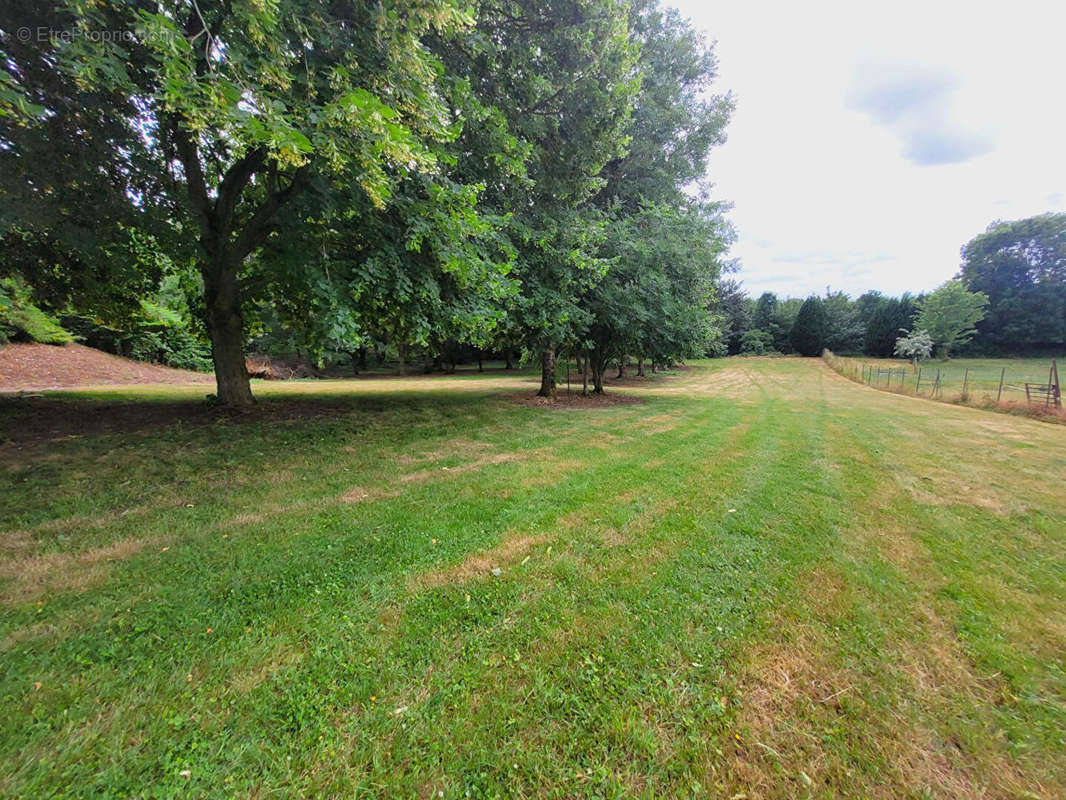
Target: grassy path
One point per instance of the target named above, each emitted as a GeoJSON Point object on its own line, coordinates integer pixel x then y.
{"type": "Point", "coordinates": [764, 579]}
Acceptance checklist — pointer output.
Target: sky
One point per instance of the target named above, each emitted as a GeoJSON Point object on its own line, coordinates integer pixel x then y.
{"type": "Point", "coordinates": [871, 141]}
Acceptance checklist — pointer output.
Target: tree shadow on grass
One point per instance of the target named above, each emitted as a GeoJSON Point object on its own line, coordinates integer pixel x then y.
{"type": "Point", "coordinates": [33, 422]}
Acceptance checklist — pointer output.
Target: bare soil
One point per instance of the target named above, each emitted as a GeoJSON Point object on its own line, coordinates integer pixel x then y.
{"type": "Point", "coordinates": [35, 367]}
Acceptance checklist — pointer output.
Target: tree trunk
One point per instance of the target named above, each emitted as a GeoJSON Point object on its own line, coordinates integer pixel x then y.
{"type": "Point", "coordinates": [584, 362]}
{"type": "Point", "coordinates": [640, 367]}
{"type": "Point", "coordinates": [401, 356]}
{"type": "Point", "coordinates": [599, 366]}
{"type": "Point", "coordinates": [480, 367]}
{"type": "Point", "coordinates": [621, 368]}
{"type": "Point", "coordinates": [225, 326]}
{"type": "Point", "coordinates": [547, 373]}
{"type": "Point", "coordinates": [508, 358]}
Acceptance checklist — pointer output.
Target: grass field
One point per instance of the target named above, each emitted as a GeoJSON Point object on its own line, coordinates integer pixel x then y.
{"type": "Point", "coordinates": [981, 374]}
{"type": "Point", "coordinates": [763, 580]}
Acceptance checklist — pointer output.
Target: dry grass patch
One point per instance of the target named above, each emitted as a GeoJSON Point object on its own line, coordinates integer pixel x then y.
{"type": "Point", "coordinates": [280, 658]}
{"type": "Point", "coordinates": [799, 687]}
{"type": "Point", "coordinates": [30, 578]}
{"type": "Point", "coordinates": [945, 487]}
{"type": "Point", "coordinates": [510, 549]}
{"type": "Point", "coordinates": [794, 693]}
{"type": "Point", "coordinates": [470, 466]}
{"type": "Point", "coordinates": [549, 472]}
{"type": "Point", "coordinates": [360, 494]}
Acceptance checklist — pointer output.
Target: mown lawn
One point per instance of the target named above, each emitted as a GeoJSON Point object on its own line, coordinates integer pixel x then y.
{"type": "Point", "coordinates": [762, 580]}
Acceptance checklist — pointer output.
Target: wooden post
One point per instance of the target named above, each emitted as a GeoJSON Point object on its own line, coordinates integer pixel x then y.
{"type": "Point", "coordinates": [937, 388]}
{"type": "Point", "coordinates": [1053, 386]}
{"type": "Point", "coordinates": [918, 383]}
{"type": "Point", "coordinates": [999, 394]}
{"type": "Point", "coordinates": [965, 382]}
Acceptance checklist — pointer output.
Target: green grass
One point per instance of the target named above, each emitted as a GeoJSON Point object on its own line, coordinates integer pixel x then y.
{"type": "Point", "coordinates": [763, 579]}
{"type": "Point", "coordinates": [981, 374]}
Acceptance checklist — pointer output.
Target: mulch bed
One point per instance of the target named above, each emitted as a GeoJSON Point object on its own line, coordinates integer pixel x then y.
{"type": "Point", "coordinates": [33, 367]}
{"type": "Point", "coordinates": [574, 400]}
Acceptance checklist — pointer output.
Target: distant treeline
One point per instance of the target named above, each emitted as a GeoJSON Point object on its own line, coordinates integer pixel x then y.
{"type": "Point", "coordinates": [1019, 267]}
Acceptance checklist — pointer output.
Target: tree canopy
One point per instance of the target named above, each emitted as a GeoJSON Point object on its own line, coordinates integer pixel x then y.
{"type": "Point", "coordinates": [949, 315]}
{"type": "Point", "coordinates": [1021, 267]}
{"type": "Point", "coordinates": [418, 175]}
{"type": "Point", "coordinates": [808, 334]}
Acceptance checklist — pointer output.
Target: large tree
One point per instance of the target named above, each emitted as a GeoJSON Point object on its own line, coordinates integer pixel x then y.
{"type": "Point", "coordinates": [887, 319]}
{"type": "Point", "coordinates": [563, 76]}
{"type": "Point", "coordinates": [242, 106]}
{"type": "Point", "coordinates": [82, 205]}
{"type": "Point", "coordinates": [1021, 267]}
{"type": "Point", "coordinates": [843, 327]}
{"type": "Point", "coordinates": [664, 247]}
{"type": "Point", "coordinates": [809, 329]}
{"type": "Point", "coordinates": [949, 315]}
{"type": "Point", "coordinates": [734, 308]}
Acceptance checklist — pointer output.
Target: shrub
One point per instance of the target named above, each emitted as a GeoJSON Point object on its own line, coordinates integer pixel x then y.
{"type": "Point", "coordinates": [756, 342]}
{"type": "Point", "coordinates": [21, 319]}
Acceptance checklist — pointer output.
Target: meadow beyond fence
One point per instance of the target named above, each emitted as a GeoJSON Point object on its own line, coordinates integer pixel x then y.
{"type": "Point", "coordinates": [1014, 385]}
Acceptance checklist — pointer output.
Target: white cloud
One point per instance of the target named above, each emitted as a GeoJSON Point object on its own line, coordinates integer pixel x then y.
{"type": "Point", "coordinates": [871, 142]}
{"type": "Point", "coordinates": [916, 102]}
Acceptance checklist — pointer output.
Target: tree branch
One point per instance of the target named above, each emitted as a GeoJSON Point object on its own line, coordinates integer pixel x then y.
{"type": "Point", "coordinates": [256, 229]}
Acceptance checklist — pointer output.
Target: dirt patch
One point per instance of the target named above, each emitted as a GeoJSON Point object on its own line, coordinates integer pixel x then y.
{"type": "Point", "coordinates": [575, 400]}
{"type": "Point", "coordinates": [510, 549]}
{"type": "Point", "coordinates": [33, 577]}
{"type": "Point", "coordinates": [33, 367]}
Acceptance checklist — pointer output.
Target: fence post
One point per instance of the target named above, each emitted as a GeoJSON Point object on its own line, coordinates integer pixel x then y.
{"type": "Point", "coordinates": [918, 383]}
{"type": "Point", "coordinates": [938, 389]}
{"type": "Point", "coordinates": [999, 394]}
{"type": "Point", "coordinates": [1057, 390]}
{"type": "Point", "coordinates": [965, 382]}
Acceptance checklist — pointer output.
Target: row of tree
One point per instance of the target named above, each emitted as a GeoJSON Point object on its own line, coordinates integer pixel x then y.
{"type": "Point", "coordinates": [1008, 298]}
{"type": "Point", "coordinates": [516, 175]}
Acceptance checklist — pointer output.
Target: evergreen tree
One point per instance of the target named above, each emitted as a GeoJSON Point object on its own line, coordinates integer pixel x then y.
{"type": "Point", "coordinates": [808, 333]}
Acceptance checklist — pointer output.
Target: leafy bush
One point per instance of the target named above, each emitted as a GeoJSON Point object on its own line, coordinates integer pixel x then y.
{"type": "Point", "coordinates": [756, 342]}
{"type": "Point", "coordinates": [916, 346]}
{"type": "Point", "coordinates": [173, 346]}
{"type": "Point", "coordinates": [21, 319]}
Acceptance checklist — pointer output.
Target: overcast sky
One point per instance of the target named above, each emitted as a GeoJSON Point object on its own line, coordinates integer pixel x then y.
{"type": "Point", "coordinates": [872, 140]}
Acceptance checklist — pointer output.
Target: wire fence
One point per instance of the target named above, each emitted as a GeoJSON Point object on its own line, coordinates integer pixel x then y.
{"type": "Point", "coordinates": [1006, 384]}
